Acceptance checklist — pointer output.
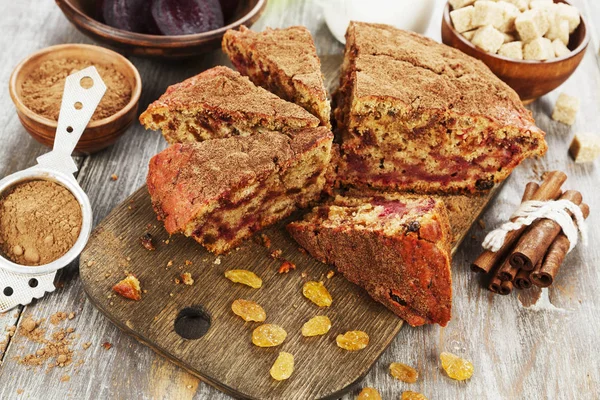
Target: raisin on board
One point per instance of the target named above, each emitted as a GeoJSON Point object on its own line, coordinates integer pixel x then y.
{"type": "Point", "coordinates": [352, 340]}
{"type": "Point", "coordinates": [244, 277]}
{"type": "Point", "coordinates": [316, 326]}
{"type": "Point", "coordinates": [248, 310]}
{"type": "Point", "coordinates": [403, 372]}
{"type": "Point", "coordinates": [457, 368]}
{"type": "Point", "coordinates": [283, 367]}
{"type": "Point", "coordinates": [409, 395]}
{"type": "Point", "coordinates": [317, 293]}
{"type": "Point", "coordinates": [268, 335]}
{"type": "Point", "coordinates": [369, 393]}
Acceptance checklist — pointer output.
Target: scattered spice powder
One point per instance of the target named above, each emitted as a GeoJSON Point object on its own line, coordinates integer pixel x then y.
{"type": "Point", "coordinates": [40, 221]}
{"type": "Point", "coordinates": [42, 90]}
{"type": "Point", "coordinates": [58, 347]}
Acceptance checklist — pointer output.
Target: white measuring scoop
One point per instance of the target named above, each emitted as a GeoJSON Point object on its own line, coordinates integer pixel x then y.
{"type": "Point", "coordinates": [20, 284]}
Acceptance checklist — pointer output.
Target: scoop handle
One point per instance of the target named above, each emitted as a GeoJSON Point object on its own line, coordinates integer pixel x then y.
{"type": "Point", "coordinates": [82, 94]}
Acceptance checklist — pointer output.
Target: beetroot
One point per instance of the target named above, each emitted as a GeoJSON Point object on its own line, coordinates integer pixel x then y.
{"type": "Point", "coordinates": [185, 17]}
{"type": "Point", "coordinates": [129, 15]}
{"type": "Point", "coordinates": [229, 7]}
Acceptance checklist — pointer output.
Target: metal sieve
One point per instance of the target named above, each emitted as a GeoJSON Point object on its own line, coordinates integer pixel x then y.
{"type": "Point", "coordinates": [83, 91]}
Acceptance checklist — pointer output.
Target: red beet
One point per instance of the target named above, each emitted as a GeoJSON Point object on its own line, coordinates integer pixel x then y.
{"type": "Point", "coordinates": [129, 15]}
{"type": "Point", "coordinates": [229, 7]}
{"type": "Point", "coordinates": [186, 17]}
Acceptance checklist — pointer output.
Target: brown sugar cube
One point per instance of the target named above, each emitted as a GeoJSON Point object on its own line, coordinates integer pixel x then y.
{"type": "Point", "coordinates": [469, 35]}
{"type": "Point", "coordinates": [570, 14]}
{"type": "Point", "coordinates": [559, 29]}
{"type": "Point", "coordinates": [489, 39]}
{"type": "Point", "coordinates": [512, 50]}
{"type": "Point", "coordinates": [510, 12]}
{"type": "Point", "coordinates": [487, 13]}
{"type": "Point", "coordinates": [560, 49]}
{"type": "Point", "coordinates": [522, 5]}
{"type": "Point", "coordinates": [456, 4]}
{"type": "Point", "coordinates": [532, 24]}
{"type": "Point", "coordinates": [566, 109]}
{"type": "Point", "coordinates": [538, 49]}
{"type": "Point", "coordinates": [585, 147]}
{"type": "Point", "coordinates": [462, 19]}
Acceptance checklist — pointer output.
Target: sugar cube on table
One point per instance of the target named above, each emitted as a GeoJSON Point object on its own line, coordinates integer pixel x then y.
{"type": "Point", "coordinates": [462, 19]}
{"type": "Point", "coordinates": [509, 13]}
{"type": "Point", "coordinates": [565, 109]}
{"type": "Point", "coordinates": [487, 13]}
{"type": "Point", "coordinates": [585, 147]}
{"type": "Point", "coordinates": [512, 50]}
{"type": "Point", "coordinates": [560, 49]}
{"type": "Point", "coordinates": [539, 49]}
{"type": "Point", "coordinates": [488, 39]}
{"type": "Point", "coordinates": [456, 4]}
{"type": "Point", "coordinates": [532, 24]}
{"type": "Point", "coordinates": [559, 29]}
{"type": "Point", "coordinates": [570, 14]}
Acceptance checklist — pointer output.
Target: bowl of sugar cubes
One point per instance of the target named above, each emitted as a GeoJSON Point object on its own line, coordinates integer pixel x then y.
{"type": "Point", "coordinates": [532, 45]}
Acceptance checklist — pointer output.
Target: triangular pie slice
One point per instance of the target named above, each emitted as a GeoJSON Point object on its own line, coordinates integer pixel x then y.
{"type": "Point", "coordinates": [418, 115]}
{"type": "Point", "coordinates": [221, 191]}
{"type": "Point", "coordinates": [283, 61]}
{"type": "Point", "coordinates": [220, 103]}
{"type": "Point", "coordinates": [395, 247]}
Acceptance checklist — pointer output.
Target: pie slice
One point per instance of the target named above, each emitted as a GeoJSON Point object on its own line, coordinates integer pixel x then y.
{"type": "Point", "coordinates": [283, 61]}
{"type": "Point", "coordinates": [397, 248]}
{"type": "Point", "coordinates": [220, 103]}
{"type": "Point", "coordinates": [223, 190]}
{"type": "Point", "coordinates": [417, 115]}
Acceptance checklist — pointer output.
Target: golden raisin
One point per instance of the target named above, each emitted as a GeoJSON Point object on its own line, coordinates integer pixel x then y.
{"type": "Point", "coordinates": [408, 395]}
{"type": "Point", "coordinates": [403, 372]}
{"type": "Point", "coordinates": [244, 277]}
{"type": "Point", "coordinates": [283, 366]}
{"type": "Point", "coordinates": [268, 335]}
{"type": "Point", "coordinates": [316, 326]}
{"type": "Point", "coordinates": [456, 367]}
{"type": "Point", "coordinates": [248, 310]}
{"type": "Point", "coordinates": [369, 394]}
{"type": "Point", "coordinates": [317, 293]}
{"type": "Point", "coordinates": [352, 340]}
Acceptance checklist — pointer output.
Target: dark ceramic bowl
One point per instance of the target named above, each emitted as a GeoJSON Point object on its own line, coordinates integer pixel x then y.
{"type": "Point", "coordinates": [80, 13]}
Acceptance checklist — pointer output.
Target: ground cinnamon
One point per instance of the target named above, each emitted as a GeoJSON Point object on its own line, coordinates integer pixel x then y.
{"type": "Point", "coordinates": [40, 221]}
{"type": "Point", "coordinates": [42, 90]}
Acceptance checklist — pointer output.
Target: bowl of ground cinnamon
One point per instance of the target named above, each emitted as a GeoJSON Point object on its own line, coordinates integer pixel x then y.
{"type": "Point", "coordinates": [36, 88]}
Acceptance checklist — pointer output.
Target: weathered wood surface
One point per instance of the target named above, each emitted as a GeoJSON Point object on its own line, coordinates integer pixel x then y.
{"type": "Point", "coordinates": [518, 352]}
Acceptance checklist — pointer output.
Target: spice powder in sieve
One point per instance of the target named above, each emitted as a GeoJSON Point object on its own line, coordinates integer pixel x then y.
{"type": "Point", "coordinates": [40, 221]}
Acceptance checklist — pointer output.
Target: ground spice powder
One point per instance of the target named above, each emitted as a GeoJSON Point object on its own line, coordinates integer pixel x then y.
{"type": "Point", "coordinates": [42, 90]}
{"type": "Point", "coordinates": [39, 222]}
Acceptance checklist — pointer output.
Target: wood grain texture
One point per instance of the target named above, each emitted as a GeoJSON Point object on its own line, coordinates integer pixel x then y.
{"type": "Point", "coordinates": [517, 351]}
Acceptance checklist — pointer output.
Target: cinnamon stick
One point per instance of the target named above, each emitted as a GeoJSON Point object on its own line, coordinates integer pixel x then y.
{"type": "Point", "coordinates": [548, 190]}
{"type": "Point", "coordinates": [534, 243]}
{"type": "Point", "coordinates": [506, 288]}
{"type": "Point", "coordinates": [544, 276]}
{"type": "Point", "coordinates": [522, 280]}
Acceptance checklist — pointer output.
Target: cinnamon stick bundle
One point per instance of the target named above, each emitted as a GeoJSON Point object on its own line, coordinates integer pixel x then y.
{"type": "Point", "coordinates": [548, 269]}
{"type": "Point", "coordinates": [534, 243]}
{"type": "Point", "coordinates": [523, 279]}
{"type": "Point", "coordinates": [548, 190]}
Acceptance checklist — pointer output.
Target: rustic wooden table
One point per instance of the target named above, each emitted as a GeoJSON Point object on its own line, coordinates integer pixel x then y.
{"type": "Point", "coordinates": [545, 351]}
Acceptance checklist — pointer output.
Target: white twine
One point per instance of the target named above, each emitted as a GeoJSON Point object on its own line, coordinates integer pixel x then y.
{"type": "Point", "coordinates": [529, 211]}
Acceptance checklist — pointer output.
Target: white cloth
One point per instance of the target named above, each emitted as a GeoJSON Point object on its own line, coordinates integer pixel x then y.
{"type": "Point", "coordinates": [529, 211]}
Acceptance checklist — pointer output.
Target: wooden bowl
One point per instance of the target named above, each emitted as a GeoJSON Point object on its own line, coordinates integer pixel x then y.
{"type": "Point", "coordinates": [530, 79]}
{"type": "Point", "coordinates": [81, 12]}
{"type": "Point", "coordinates": [98, 134]}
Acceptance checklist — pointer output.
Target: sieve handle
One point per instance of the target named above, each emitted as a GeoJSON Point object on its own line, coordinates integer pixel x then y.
{"type": "Point", "coordinates": [16, 289]}
{"type": "Point", "coordinates": [82, 94]}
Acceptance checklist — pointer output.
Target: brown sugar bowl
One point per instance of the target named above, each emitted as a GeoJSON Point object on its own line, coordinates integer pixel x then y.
{"type": "Point", "coordinates": [100, 133]}
{"type": "Point", "coordinates": [530, 79]}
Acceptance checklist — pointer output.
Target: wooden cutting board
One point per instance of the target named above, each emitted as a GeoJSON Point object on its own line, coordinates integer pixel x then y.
{"type": "Point", "coordinates": [225, 357]}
